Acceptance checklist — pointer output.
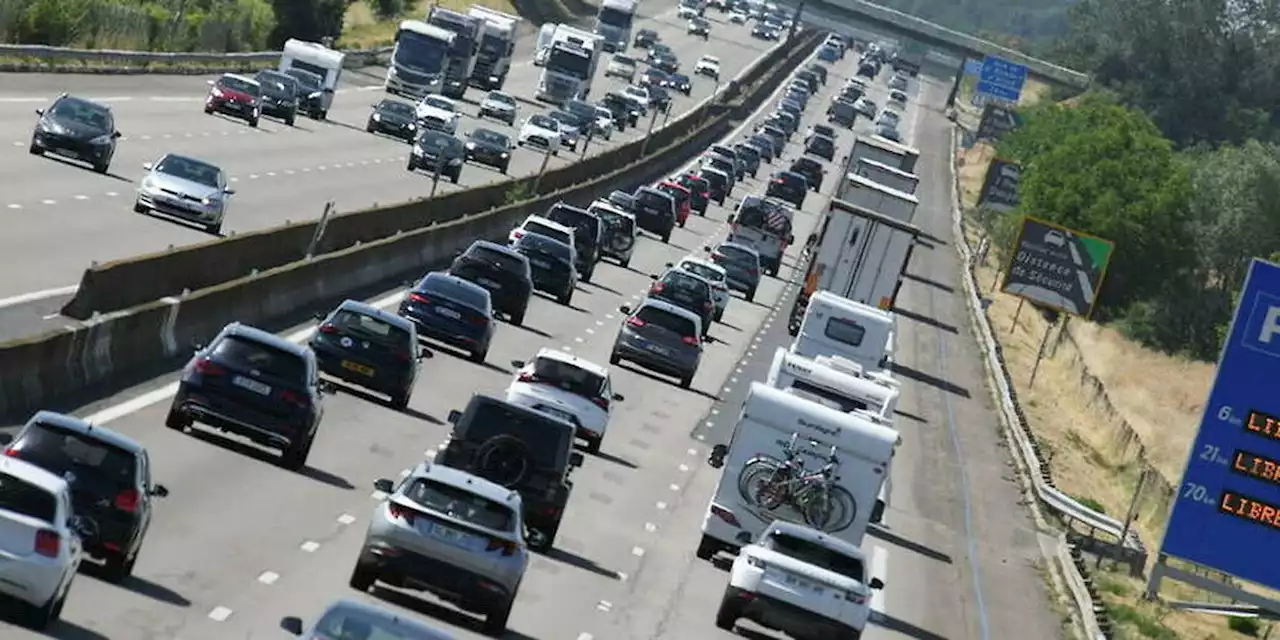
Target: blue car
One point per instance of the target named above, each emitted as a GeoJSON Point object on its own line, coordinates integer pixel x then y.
{"type": "Point", "coordinates": [363, 345]}
{"type": "Point", "coordinates": [451, 310]}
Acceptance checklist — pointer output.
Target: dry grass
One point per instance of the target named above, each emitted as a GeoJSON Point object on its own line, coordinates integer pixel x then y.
{"type": "Point", "coordinates": [362, 30]}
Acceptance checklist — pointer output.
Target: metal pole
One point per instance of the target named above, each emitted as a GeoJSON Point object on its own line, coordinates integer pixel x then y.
{"type": "Point", "coordinates": [320, 228]}
{"type": "Point", "coordinates": [435, 177]}
{"type": "Point", "coordinates": [955, 86]}
{"type": "Point", "coordinates": [1039, 356]}
{"type": "Point", "coordinates": [1129, 517]}
{"type": "Point", "coordinates": [546, 157]}
{"type": "Point", "coordinates": [1013, 326]}
{"type": "Point", "coordinates": [644, 146]}
{"type": "Point", "coordinates": [586, 142]}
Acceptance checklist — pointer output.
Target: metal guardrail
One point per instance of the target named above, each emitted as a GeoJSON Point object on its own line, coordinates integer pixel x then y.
{"type": "Point", "coordinates": [355, 57]}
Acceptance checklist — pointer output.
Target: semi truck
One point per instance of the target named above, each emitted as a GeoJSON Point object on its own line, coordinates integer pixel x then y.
{"type": "Point", "coordinates": [467, 31]}
{"type": "Point", "coordinates": [614, 23]}
{"type": "Point", "coordinates": [891, 177]}
{"type": "Point", "coordinates": [570, 65]}
{"type": "Point", "coordinates": [419, 60]}
{"type": "Point", "coordinates": [883, 150]}
{"type": "Point", "coordinates": [497, 47]}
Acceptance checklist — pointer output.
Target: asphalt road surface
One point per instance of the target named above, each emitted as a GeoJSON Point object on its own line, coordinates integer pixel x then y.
{"type": "Point", "coordinates": [240, 542]}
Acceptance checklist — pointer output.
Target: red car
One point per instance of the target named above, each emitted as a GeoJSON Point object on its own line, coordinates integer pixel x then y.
{"type": "Point", "coordinates": [236, 96]}
{"type": "Point", "coordinates": [683, 198]}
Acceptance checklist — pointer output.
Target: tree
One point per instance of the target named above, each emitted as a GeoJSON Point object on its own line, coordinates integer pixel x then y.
{"type": "Point", "coordinates": [311, 20]}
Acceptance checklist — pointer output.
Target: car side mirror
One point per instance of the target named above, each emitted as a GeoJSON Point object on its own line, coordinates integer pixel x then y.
{"type": "Point", "coordinates": [39, 112]}
{"type": "Point", "coordinates": [229, 191]}
{"type": "Point", "coordinates": [791, 239]}
{"type": "Point", "coordinates": [292, 624]}
{"type": "Point", "coordinates": [115, 135]}
{"type": "Point", "coordinates": [148, 166]}
{"type": "Point", "coordinates": [654, 276]}
{"type": "Point", "coordinates": [454, 416]}
{"type": "Point", "coordinates": [426, 354]}
{"type": "Point", "coordinates": [160, 491]}
{"type": "Point", "coordinates": [576, 459]}
{"type": "Point", "coordinates": [670, 264]}
{"type": "Point", "coordinates": [718, 454]}
{"type": "Point", "coordinates": [731, 218]}
{"type": "Point", "coordinates": [625, 310]}
{"type": "Point", "coordinates": [618, 397]}
{"type": "Point", "coordinates": [384, 485]}
{"type": "Point", "coordinates": [876, 584]}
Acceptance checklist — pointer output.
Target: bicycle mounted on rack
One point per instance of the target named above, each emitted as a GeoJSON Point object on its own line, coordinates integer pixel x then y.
{"type": "Point", "coordinates": [771, 483]}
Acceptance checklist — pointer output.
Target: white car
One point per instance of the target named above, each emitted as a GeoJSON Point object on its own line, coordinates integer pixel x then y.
{"type": "Point", "coordinates": [620, 231]}
{"type": "Point", "coordinates": [890, 118]}
{"type": "Point", "coordinates": [638, 93]}
{"type": "Point", "coordinates": [686, 12]}
{"type": "Point", "coordinates": [707, 66]}
{"type": "Point", "coordinates": [604, 122]}
{"type": "Point", "coordinates": [737, 17]}
{"type": "Point", "coordinates": [799, 581]}
{"type": "Point", "coordinates": [439, 113]}
{"type": "Point", "coordinates": [621, 67]}
{"type": "Point", "coordinates": [715, 275]}
{"type": "Point", "coordinates": [40, 547]}
{"type": "Point", "coordinates": [565, 386]}
{"type": "Point", "coordinates": [545, 227]}
{"type": "Point", "coordinates": [542, 132]}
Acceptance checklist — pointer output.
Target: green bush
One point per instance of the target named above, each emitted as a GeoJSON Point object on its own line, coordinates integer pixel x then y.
{"type": "Point", "coordinates": [387, 9]}
{"type": "Point", "coordinates": [1244, 626]}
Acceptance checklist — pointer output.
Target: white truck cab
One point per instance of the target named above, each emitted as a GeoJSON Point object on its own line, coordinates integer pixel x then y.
{"type": "Point", "coordinates": [802, 582]}
{"type": "Point", "coordinates": [851, 330]}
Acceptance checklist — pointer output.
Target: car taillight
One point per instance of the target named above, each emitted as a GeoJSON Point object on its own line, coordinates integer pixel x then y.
{"type": "Point", "coordinates": [418, 297]}
{"type": "Point", "coordinates": [657, 287]}
{"type": "Point", "coordinates": [506, 546]}
{"type": "Point", "coordinates": [209, 367]}
{"type": "Point", "coordinates": [48, 543]}
{"type": "Point", "coordinates": [635, 322]}
{"type": "Point", "coordinates": [404, 356]}
{"type": "Point", "coordinates": [779, 181]}
{"type": "Point", "coordinates": [479, 319]}
{"type": "Point", "coordinates": [328, 328]}
{"type": "Point", "coordinates": [526, 377]}
{"type": "Point", "coordinates": [690, 340]}
{"type": "Point", "coordinates": [753, 271]}
{"type": "Point", "coordinates": [517, 234]}
{"type": "Point", "coordinates": [296, 399]}
{"type": "Point", "coordinates": [603, 403]}
{"type": "Point", "coordinates": [127, 500]}
{"type": "Point", "coordinates": [706, 194]}
{"type": "Point", "coordinates": [10, 452]}
{"type": "Point", "coordinates": [404, 513]}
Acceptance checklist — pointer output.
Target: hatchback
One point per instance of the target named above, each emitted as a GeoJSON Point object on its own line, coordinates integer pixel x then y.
{"type": "Point", "coordinates": [363, 345]}
{"type": "Point", "coordinates": [750, 157]}
{"type": "Point", "coordinates": [789, 186]}
{"type": "Point", "coordinates": [551, 264]}
{"type": "Point", "coordinates": [686, 290]}
{"type": "Point", "coordinates": [39, 539]}
{"type": "Point", "coordinates": [716, 278]}
{"type": "Point", "coordinates": [661, 337]}
{"type": "Point", "coordinates": [741, 265]}
{"type": "Point", "coordinates": [763, 144]}
{"type": "Point", "coordinates": [587, 235]}
{"type": "Point", "coordinates": [502, 272]}
{"type": "Point", "coordinates": [452, 310]}
{"type": "Point", "coordinates": [812, 170]}
{"type": "Point", "coordinates": [567, 387]}
{"type": "Point", "coordinates": [236, 96]}
{"type": "Point", "coordinates": [656, 212]}
{"type": "Point", "coordinates": [77, 128]}
{"type": "Point", "coordinates": [185, 188]}
{"type": "Point", "coordinates": [718, 183]}
{"type": "Point", "coordinates": [346, 617]}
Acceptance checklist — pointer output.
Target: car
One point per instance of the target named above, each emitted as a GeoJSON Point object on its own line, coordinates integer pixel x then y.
{"type": "Point", "coordinates": [686, 290]}
{"type": "Point", "coordinates": [819, 72]}
{"type": "Point", "coordinates": [521, 449]}
{"type": "Point", "coordinates": [453, 311]}
{"type": "Point", "coordinates": [828, 565]}
{"type": "Point", "coordinates": [868, 69]}
{"type": "Point", "coordinates": [438, 113]}
{"type": "Point", "coordinates": [394, 118]}
{"type": "Point", "coordinates": [698, 27]}
{"type": "Point", "coordinates": [659, 50]}
{"type": "Point", "coordinates": [726, 165]}
{"type": "Point", "coordinates": [728, 151]}
{"type": "Point", "coordinates": [645, 38]}
{"type": "Point", "coordinates": [850, 94]}
{"type": "Point", "coordinates": [789, 186]}
{"type": "Point", "coordinates": [750, 157]}
{"type": "Point", "coordinates": [818, 129]}
{"type": "Point", "coordinates": [544, 226]}
{"type": "Point", "coordinates": [842, 113]}
{"type": "Point", "coordinates": [812, 170]}
{"type": "Point", "coordinates": [866, 107]}
{"type": "Point", "coordinates": [661, 337]}
{"type": "Point", "coordinates": [490, 148]}
{"type": "Point", "coordinates": [619, 231]}
{"type": "Point", "coordinates": [279, 95]}
{"type": "Point", "coordinates": [570, 128]}
{"type": "Point", "coordinates": [621, 66]}
{"type": "Point", "coordinates": [821, 146]}
{"type": "Point", "coordinates": [809, 80]}
{"type": "Point", "coordinates": [762, 31]}
{"type": "Point", "coordinates": [552, 265]}
{"type": "Point", "coordinates": [666, 63]}
{"type": "Point", "coordinates": [718, 183]}
{"type": "Point", "coordinates": [542, 132]}
{"type": "Point", "coordinates": [622, 109]}
{"type": "Point", "coordinates": [888, 132]}
{"type": "Point", "coordinates": [639, 96]}
{"type": "Point", "coordinates": [660, 99]}
{"type": "Point", "coordinates": [254, 384]}
{"type": "Point", "coordinates": [652, 76]}
{"type": "Point", "coordinates": [623, 201]}
{"type": "Point", "coordinates": [799, 94]}
{"type": "Point", "coordinates": [448, 532]}
{"type": "Point", "coordinates": [765, 145]}
{"type": "Point", "coordinates": [1055, 238]}
{"type": "Point", "coordinates": [714, 275]}
{"type": "Point", "coordinates": [310, 93]}
{"type": "Point", "coordinates": [441, 153]}
{"type": "Point", "coordinates": [110, 479]}
{"type": "Point", "coordinates": [236, 96]}
{"type": "Point", "coordinates": [345, 617]}
{"type": "Point", "coordinates": [591, 119]}
{"type": "Point", "coordinates": [775, 135]}
{"type": "Point", "coordinates": [363, 345]}
{"type": "Point", "coordinates": [741, 264]}
{"type": "Point", "coordinates": [699, 191]}
{"type": "Point", "coordinates": [898, 83]}
{"type": "Point", "coordinates": [679, 82]}
{"type": "Point", "coordinates": [708, 66]}
{"type": "Point", "coordinates": [688, 9]}
{"type": "Point", "coordinates": [898, 97]}
{"type": "Point", "coordinates": [889, 117]}
{"type": "Point", "coordinates": [42, 541]}
{"type": "Point", "coordinates": [76, 128]}
{"type": "Point", "coordinates": [656, 212]}
{"type": "Point", "coordinates": [682, 196]}
{"type": "Point", "coordinates": [502, 272]}
{"type": "Point", "coordinates": [567, 387]}
{"type": "Point", "coordinates": [785, 119]}
{"type": "Point", "coordinates": [737, 17]}
{"type": "Point", "coordinates": [587, 235]}
{"type": "Point", "coordinates": [185, 188]}
{"type": "Point", "coordinates": [604, 125]}
{"type": "Point", "coordinates": [499, 106]}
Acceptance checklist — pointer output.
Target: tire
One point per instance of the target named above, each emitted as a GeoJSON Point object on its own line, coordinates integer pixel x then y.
{"type": "Point", "coordinates": [323, 115]}
{"type": "Point", "coordinates": [35, 149]}
{"type": "Point", "coordinates": [615, 359]}
{"type": "Point", "coordinates": [514, 450]}
{"type": "Point", "coordinates": [293, 117]}
{"type": "Point", "coordinates": [518, 318]}
{"type": "Point", "coordinates": [565, 298]}
{"type": "Point", "coordinates": [666, 238]}
{"type": "Point", "coordinates": [215, 228]}
{"type": "Point", "coordinates": [208, 111]}
{"type": "Point", "coordinates": [456, 176]}
{"type": "Point", "coordinates": [400, 401]}
{"type": "Point", "coordinates": [411, 166]}
{"type": "Point", "coordinates": [295, 457]}
{"type": "Point", "coordinates": [707, 548]}
{"type": "Point", "coordinates": [686, 381]}
{"type": "Point", "coordinates": [118, 567]}
{"type": "Point", "coordinates": [750, 295]}
{"type": "Point", "coordinates": [369, 128]}
{"type": "Point", "coordinates": [362, 577]}
{"type": "Point", "coordinates": [548, 542]}
{"type": "Point", "coordinates": [102, 168]}
{"type": "Point", "coordinates": [728, 613]}
{"type": "Point", "coordinates": [495, 622]}
{"type": "Point", "coordinates": [176, 421]}
{"type": "Point", "coordinates": [586, 277]}
{"type": "Point", "coordinates": [682, 222]}
{"type": "Point", "coordinates": [253, 123]}
{"type": "Point", "coordinates": [46, 615]}
{"type": "Point", "coordinates": [479, 356]}
{"type": "Point", "coordinates": [625, 264]}
{"type": "Point", "coordinates": [593, 446]}
{"type": "Point", "coordinates": [503, 169]}
{"type": "Point", "coordinates": [139, 208]}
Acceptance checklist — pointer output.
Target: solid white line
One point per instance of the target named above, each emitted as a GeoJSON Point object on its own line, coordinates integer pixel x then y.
{"type": "Point", "coordinates": [879, 569]}
{"type": "Point", "coordinates": [38, 295]}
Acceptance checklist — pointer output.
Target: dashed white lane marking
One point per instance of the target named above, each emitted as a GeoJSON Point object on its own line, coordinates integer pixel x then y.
{"type": "Point", "coordinates": [578, 339]}
{"type": "Point", "coordinates": [604, 605]}
{"type": "Point", "coordinates": [112, 194]}
{"type": "Point", "coordinates": [81, 197]}
{"type": "Point", "coordinates": [48, 202]}
{"type": "Point", "coordinates": [346, 518]}
{"type": "Point", "coordinates": [650, 527]}
{"type": "Point", "coordinates": [253, 176]}
{"type": "Point", "coordinates": [268, 577]}
{"type": "Point", "coordinates": [590, 331]}
{"type": "Point", "coordinates": [15, 206]}
{"type": "Point", "coordinates": [309, 546]}
{"type": "Point", "coordinates": [684, 468]}
{"type": "Point", "coordinates": [727, 389]}
{"type": "Point", "coordinates": [219, 614]}
{"type": "Point", "coordinates": [271, 174]}
{"type": "Point", "coordinates": [662, 506]}
{"type": "Point", "coordinates": [378, 495]}
{"type": "Point", "coordinates": [637, 552]}
{"type": "Point", "coordinates": [693, 452]}
{"type": "Point", "coordinates": [584, 636]}
{"type": "Point", "coordinates": [18, 143]}
{"type": "Point", "coordinates": [674, 487]}
{"type": "Point", "coordinates": [404, 473]}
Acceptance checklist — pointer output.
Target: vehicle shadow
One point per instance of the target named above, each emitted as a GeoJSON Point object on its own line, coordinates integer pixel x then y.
{"type": "Point", "coordinates": [534, 330]}
{"type": "Point", "coordinates": [932, 283]}
{"type": "Point", "coordinates": [437, 611]}
{"type": "Point", "coordinates": [609, 457]}
{"type": "Point", "coordinates": [227, 118]}
{"type": "Point", "coordinates": [931, 380]}
{"type": "Point", "coordinates": [138, 585]}
{"type": "Point", "coordinates": [179, 222]}
{"type": "Point", "coordinates": [67, 630]}
{"type": "Point", "coordinates": [603, 287]}
{"type": "Point", "coordinates": [729, 326]}
{"type": "Point", "coordinates": [911, 416]}
{"type": "Point", "coordinates": [77, 165]}
{"type": "Point", "coordinates": [339, 123]}
{"type": "Point", "coordinates": [886, 621]}
{"type": "Point", "coordinates": [369, 397]}
{"type": "Point", "coordinates": [892, 538]}
{"type": "Point", "coordinates": [249, 451]}
{"type": "Point", "coordinates": [574, 560]}
{"type": "Point", "coordinates": [657, 378]}
{"type": "Point", "coordinates": [923, 319]}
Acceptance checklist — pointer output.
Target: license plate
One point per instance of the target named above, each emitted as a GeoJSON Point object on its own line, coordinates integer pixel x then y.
{"type": "Point", "coordinates": [66, 152]}
{"type": "Point", "coordinates": [802, 584]}
{"type": "Point", "coordinates": [448, 313]}
{"type": "Point", "coordinates": [489, 284]}
{"type": "Point", "coordinates": [542, 264]}
{"type": "Point", "coordinates": [447, 534]}
{"type": "Point", "coordinates": [252, 385]}
{"type": "Point", "coordinates": [563, 415]}
{"type": "Point", "coordinates": [357, 367]}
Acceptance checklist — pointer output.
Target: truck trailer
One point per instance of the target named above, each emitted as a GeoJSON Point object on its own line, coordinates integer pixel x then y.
{"type": "Point", "coordinates": [497, 47]}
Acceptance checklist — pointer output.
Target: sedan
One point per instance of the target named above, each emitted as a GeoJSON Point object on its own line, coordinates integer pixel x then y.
{"type": "Point", "coordinates": [393, 118]}
{"type": "Point", "coordinates": [453, 311]}
{"type": "Point", "coordinates": [186, 188]}
{"type": "Point", "coordinates": [499, 106]}
{"type": "Point", "coordinates": [679, 82]}
{"type": "Point", "coordinates": [77, 128]}
{"type": "Point", "coordinates": [490, 148]}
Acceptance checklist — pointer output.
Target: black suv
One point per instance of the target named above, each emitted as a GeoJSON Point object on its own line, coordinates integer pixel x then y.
{"type": "Point", "coordinates": [687, 291]}
{"type": "Point", "coordinates": [256, 385]}
{"type": "Point", "coordinates": [520, 449]}
{"type": "Point", "coordinates": [77, 128]}
{"type": "Point", "coordinates": [435, 151]}
{"type": "Point", "coordinates": [645, 38]}
{"type": "Point", "coordinates": [624, 114]}
{"type": "Point", "coordinates": [789, 186]}
{"type": "Point", "coordinates": [551, 263]}
{"type": "Point", "coordinates": [587, 235]}
{"type": "Point", "coordinates": [363, 345]}
{"type": "Point", "coordinates": [500, 270]}
{"type": "Point", "coordinates": [279, 95]}
{"type": "Point", "coordinates": [812, 170]}
{"type": "Point", "coordinates": [821, 146]}
{"type": "Point", "coordinates": [110, 478]}
{"type": "Point", "coordinates": [655, 212]}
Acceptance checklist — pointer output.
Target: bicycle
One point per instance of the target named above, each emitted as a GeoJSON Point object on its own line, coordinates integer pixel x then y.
{"type": "Point", "coordinates": [771, 483]}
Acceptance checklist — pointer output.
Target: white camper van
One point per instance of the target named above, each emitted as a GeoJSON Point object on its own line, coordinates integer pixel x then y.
{"type": "Point", "coordinates": [799, 461]}
{"type": "Point", "coordinates": [851, 330]}
{"type": "Point", "coordinates": [320, 60]}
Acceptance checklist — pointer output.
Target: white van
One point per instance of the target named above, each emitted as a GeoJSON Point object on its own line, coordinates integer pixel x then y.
{"type": "Point", "coordinates": [798, 461]}
{"type": "Point", "coordinates": [851, 330]}
{"type": "Point", "coordinates": [320, 60]}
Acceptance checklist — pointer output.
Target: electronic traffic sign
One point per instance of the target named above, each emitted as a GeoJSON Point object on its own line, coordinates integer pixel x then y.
{"type": "Point", "coordinates": [1226, 514]}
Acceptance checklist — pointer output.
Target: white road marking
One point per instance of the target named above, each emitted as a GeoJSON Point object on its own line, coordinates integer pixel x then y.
{"type": "Point", "coordinates": [590, 331]}
{"type": "Point", "coordinates": [584, 636]}
{"type": "Point", "coordinates": [378, 495]}
{"type": "Point", "coordinates": [693, 452]}
{"type": "Point", "coordinates": [219, 614]}
{"type": "Point", "coordinates": [637, 552]}
{"type": "Point", "coordinates": [674, 487]}
{"type": "Point", "coordinates": [35, 99]}
{"type": "Point", "coordinates": [346, 518]}
{"type": "Point", "coordinates": [604, 605]}
{"type": "Point", "coordinates": [404, 473]}
{"type": "Point", "coordinates": [650, 527]}
{"type": "Point", "coordinates": [15, 206]}
{"type": "Point", "coordinates": [662, 506]}
{"type": "Point", "coordinates": [309, 546]}
{"type": "Point", "coordinates": [48, 202]}
{"type": "Point", "coordinates": [112, 194]}
{"type": "Point", "coordinates": [578, 339]}
{"type": "Point", "coordinates": [684, 468]}
{"type": "Point", "coordinates": [81, 197]}
{"type": "Point", "coordinates": [268, 577]}
{"type": "Point", "coordinates": [18, 143]}
{"type": "Point", "coordinates": [879, 569]}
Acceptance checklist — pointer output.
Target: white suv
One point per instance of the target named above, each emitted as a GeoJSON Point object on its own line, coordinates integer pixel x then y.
{"type": "Point", "coordinates": [39, 539]}
{"type": "Point", "coordinates": [451, 533]}
{"type": "Point", "coordinates": [543, 226]}
{"type": "Point", "coordinates": [439, 113]}
{"type": "Point", "coordinates": [800, 581]}
{"type": "Point", "coordinates": [708, 66]}
{"type": "Point", "coordinates": [542, 132]}
{"type": "Point", "coordinates": [567, 387]}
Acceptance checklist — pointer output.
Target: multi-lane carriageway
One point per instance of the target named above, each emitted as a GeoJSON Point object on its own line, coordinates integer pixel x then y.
{"type": "Point", "coordinates": [240, 542]}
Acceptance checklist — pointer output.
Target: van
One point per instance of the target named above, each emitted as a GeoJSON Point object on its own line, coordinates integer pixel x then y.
{"type": "Point", "coordinates": [851, 330]}
{"type": "Point", "coordinates": [764, 224]}
{"type": "Point", "coordinates": [799, 461]}
{"type": "Point", "coordinates": [315, 58]}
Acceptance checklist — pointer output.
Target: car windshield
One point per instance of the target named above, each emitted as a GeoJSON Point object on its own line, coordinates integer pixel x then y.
{"type": "Point", "coordinates": [538, 243]}
{"type": "Point", "coordinates": [438, 103]}
{"type": "Point", "coordinates": [711, 60]}
{"type": "Point", "coordinates": [685, 285]}
{"type": "Point", "coordinates": [825, 397]}
{"type": "Point", "coordinates": [76, 456]}
{"type": "Point", "coordinates": [544, 122]}
{"type": "Point", "coordinates": [438, 140]}
{"type": "Point", "coordinates": [677, 324]}
{"type": "Point", "coordinates": [842, 108]}
{"type": "Point", "coordinates": [716, 178]}
{"type": "Point", "coordinates": [806, 164]}
{"type": "Point", "coordinates": [612, 219]}
{"type": "Point", "coordinates": [624, 60]}
{"type": "Point", "coordinates": [793, 179]}
{"type": "Point", "coordinates": [456, 291]}
{"type": "Point", "coordinates": [460, 504]}
{"type": "Point", "coordinates": [277, 83]}
{"type": "Point", "coordinates": [703, 271]}
{"type": "Point", "coordinates": [679, 78]}
{"type": "Point", "coordinates": [82, 112]}
{"type": "Point", "coordinates": [534, 226]}
{"type": "Point", "coordinates": [188, 169]}
{"type": "Point", "coordinates": [23, 498]}
{"type": "Point", "coordinates": [490, 137]}
{"type": "Point", "coordinates": [814, 554]}
{"type": "Point", "coordinates": [342, 622]}
{"type": "Point", "coordinates": [565, 118]}
{"type": "Point", "coordinates": [567, 377]}
{"type": "Point", "coordinates": [824, 130]}
{"type": "Point", "coordinates": [251, 355]}
{"type": "Point", "coordinates": [307, 80]}
{"type": "Point", "coordinates": [508, 261]}
{"type": "Point", "coordinates": [395, 107]}
{"type": "Point", "coordinates": [637, 92]}
{"type": "Point", "coordinates": [738, 255]}
{"type": "Point", "coordinates": [501, 97]}
{"type": "Point", "coordinates": [603, 114]}
{"type": "Point", "coordinates": [240, 84]}
{"type": "Point", "coordinates": [491, 419]}
{"type": "Point", "coordinates": [370, 327]}
{"type": "Point", "coordinates": [659, 201]}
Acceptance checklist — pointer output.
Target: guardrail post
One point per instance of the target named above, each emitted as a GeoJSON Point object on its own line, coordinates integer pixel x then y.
{"type": "Point", "coordinates": [320, 228]}
{"type": "Point", "coordinates": [1129, 517]}
{"type": "Point", "coordinates": [435, 177]}
{"type": "Point", "coordinates": [644, 146]}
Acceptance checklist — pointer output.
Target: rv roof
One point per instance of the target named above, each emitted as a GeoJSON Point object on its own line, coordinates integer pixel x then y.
{"type": "Point", "coordinates": [872, 184]}
{"type": "Point", "coordinates": [899, 148]}
{"type": "Point", "coordinates": [849, 385]}
{"type": "Point", "coordinates": [852, 432]}
{"type": "Point", "coordinates": [826, 297]}
{"type": "Point", "coordinates": [313, 51]}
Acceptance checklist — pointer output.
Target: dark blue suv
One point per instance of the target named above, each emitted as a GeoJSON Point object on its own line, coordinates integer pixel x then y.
{"type": "Point", "coordinates": [253, 384]}
{"type": "Point", "coordinates": [363, 345]}
{"type": "Point", "coordinates": [452, 310]}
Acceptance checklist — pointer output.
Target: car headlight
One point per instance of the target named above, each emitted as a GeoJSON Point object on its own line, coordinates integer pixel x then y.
{"type": "Point", "coordinates": [377, 117]}
{"type": "Point", "coordinates": [412, 126]}
{"type": "Point", "coordinates": [101, 140]}
{"type": "Point", "coordinates": [504, 155]}
{"type": "Point", "coordinates": [471, 146]}
{"type": "Point", "coordinates": [208, 202]}
{"type": "Point", "coordinates": [52, 127]}
{"type": "Point", "coordinates": [217, 93]}
{"type": "Point", "coordinates": [148, 185]}
{"type": "Point", "coordinates": [455, 161]}
{"type": "Point", "coordinates": [417, 151]}
{"type": "Point", "coordinates": [314, 95]}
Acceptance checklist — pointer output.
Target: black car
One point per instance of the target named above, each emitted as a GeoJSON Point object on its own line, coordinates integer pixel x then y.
{"type": "Point", "coordinates": [679, 82]}
{"type": "Point", "coordinates": [502, 272]}
{"type": "Point", "coordinates": [763, 32]}
{"type": "Point", "coordinates": [811, 169]}
{"type": "Point", "coordinates": [110, 479]}
{"type": "Point", "coordinates": [490, 148]}
{"type": "Point", "coordinates": [778, 136]}
{"type": "Point", "coordinates": [851, 94]}
{"type": "Point", "coordinates": [624, 115]}
{"type": "Point", "coordinates": [660, 99]}
{"type": "Point", "coordinates": [363, 345]}
{"type": "Point", "coordinates": [645, 38]}
{"type": "Point", "coordinates": [820, 130]}
{"type": "Point", "coordinates": [750, 157]}
{"type": "Point", "coordinates": [810, 79]}
{"type": "Point", "coordinates": [522, 449]}
{"type": "Point", "coordinates": [279, 95]}
{"type": "Point", "coordinates": [821, 146]}
{"type": "Point", "coordinates": [310, 93]}
{"type": "Point", "coordinates": [655, 212]}
{"type": "Point", "coordinates": [552, 265]}
{"type": "Point", "coordinates": [438, 152]}
{"type": "Point", "coordinates": [765, 145]}
{"type": "Point", "coordinates": [652, 76]}
{"type": "Point", "coordinates": [869, 69]}
{"type": "Point", "coordinates": [394, 118]}
{"type": "Point", "coordinates": [658, 50]}
{"type": "Point", "coordinates": [699, 191]}
{"type": "Point", "coordinates": [256, 385]}
{"type": "Point", "coordinates": [77, 128]}
{"type": "Point", "coordinates": [842, 113]}
{"type": "Point", "coordinates": [667, 63]}
{"type": "Point", "coordinates": [789, 186]}
{"type": "Point", "coordinates": [686, 291]}
{"type": "Point", "coordinates": [451, 310]}
{"type": "Point", "coordinates": [818, 71]}
{"type": "Point", "coordinates": [587, 235]}
{"type": "Point", "coordinates": [717, 183]}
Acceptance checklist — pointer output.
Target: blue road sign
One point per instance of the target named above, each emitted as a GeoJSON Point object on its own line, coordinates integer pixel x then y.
{"type": "Point", "coordinates": [973, 67]}
{"type": "Point", "coordinates": [1226, 514]}
{"type": "Point", "coordinates": [1001, 79]}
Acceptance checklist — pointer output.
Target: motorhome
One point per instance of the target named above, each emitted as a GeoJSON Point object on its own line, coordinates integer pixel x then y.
{"type": "Point", "coordinates": [570, 66]}
{"type": "Point", "coordinates": [497, 47]}
{"type": "Point", "coordinates": [614, 23]}
{"type": "Point", "coordinates": [320, 60]}
{"type": "Point", "coordinates": [419, 60]}
{"type": "Point", "coordinates": [899, 156]}
{"type": "Point", "coordinates": [546, 33]}
{"type": "Point", "coordinates": [836, 326]}
{"type": "Point", "coordinates": [764, 224]}
{"type": "Point", "coordinates": [467, 31]}
{"type": "Point", "coordinates": [838, 461]}
{"type": "Point", "coordinates": [887, 175]}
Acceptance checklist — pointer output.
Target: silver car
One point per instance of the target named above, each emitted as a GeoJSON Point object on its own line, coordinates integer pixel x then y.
{"type": "Point", "coordinates": [741, 265]}
{"type": "Point", "coordinates": [346, 618]}
{"type": "Point", "coordinates": [570, 135]}
{"type": "Point", "coordinates": [661, 337]}
{"type": "Point", "coordinates": [453, 534]}
{"type": "Point", "coordinates": [499, 106]}
{"type": "Point", "coordinates": [716, 277]}
{"type": "Point", "coordinates": [619, 231]}
{"type": "Point", "coordinates": [185, 188]}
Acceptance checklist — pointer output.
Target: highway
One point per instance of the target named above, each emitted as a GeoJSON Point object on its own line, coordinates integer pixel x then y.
{"type": "Point", "coordinates": [61, 216]}
{"type": "Point", "coordinates": [241, 542]}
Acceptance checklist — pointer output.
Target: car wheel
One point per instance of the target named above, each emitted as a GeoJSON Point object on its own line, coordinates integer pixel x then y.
{"type": "Point", "coordinates": [362, 577]}
{"type": "Point", "coordinates": [566, 297]}
{"type": "Point", "coordinates": [517, 318]}
{"type": "Point", "coordinates": [625, 264]}
{"type": "Point", "coordinates": [410, 166]}
{"type": "Point", "coordinates": [682, 222]}
{"type": "Point", "coordinates": [615, 359]}
{"type": "Point", "coordinates": [400, 401]}
{"type": "Point", "coordinates": [138, 207]}
{"type": "Point", "coordinates": [479, 356]}
{"type": "Point", "coordinates": [593, 446]}
{"type": "Point", "coordinates": [686, 381]}
{"type": "Point", "coordinates": [323, 115]}
{"type": "Point", "coordinates": [214, 228]}
{"type": "Point", "coordinates": [456, 175]}
{"type": "Point", "coordinates": [368, 127]}
{"type": "Point", "coordinates": [495, 622]}
{"type": "Point", "coordinates": [586, 277]}
{"type": "Point", "coordinates": [291, 119]}
{"type": "Point", "coordinates": [728, 613]}
{"type": "Point", "coordinates": [44, 616]}
{"type": "Point", "coordinates": [177, 421]}
{"type": "Point", "coordinates": [548, 540]}
{"type": "Point", "coordinates": [707, 548]}
{"type": "Point", "coordinates": [295, 457]}
{"type": "Point", "coordinates": [118, 566]}
{"type": "Point", "coordinates": [750, 295]}
{"type": "Point", "coordinates": [102, 168]}
{"type": "Point", "coordinates": [503, 169]}
{"type": "Point", "coordinates": [35, 149]}
{"type": "Point", "coordinates": [253, 122]}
